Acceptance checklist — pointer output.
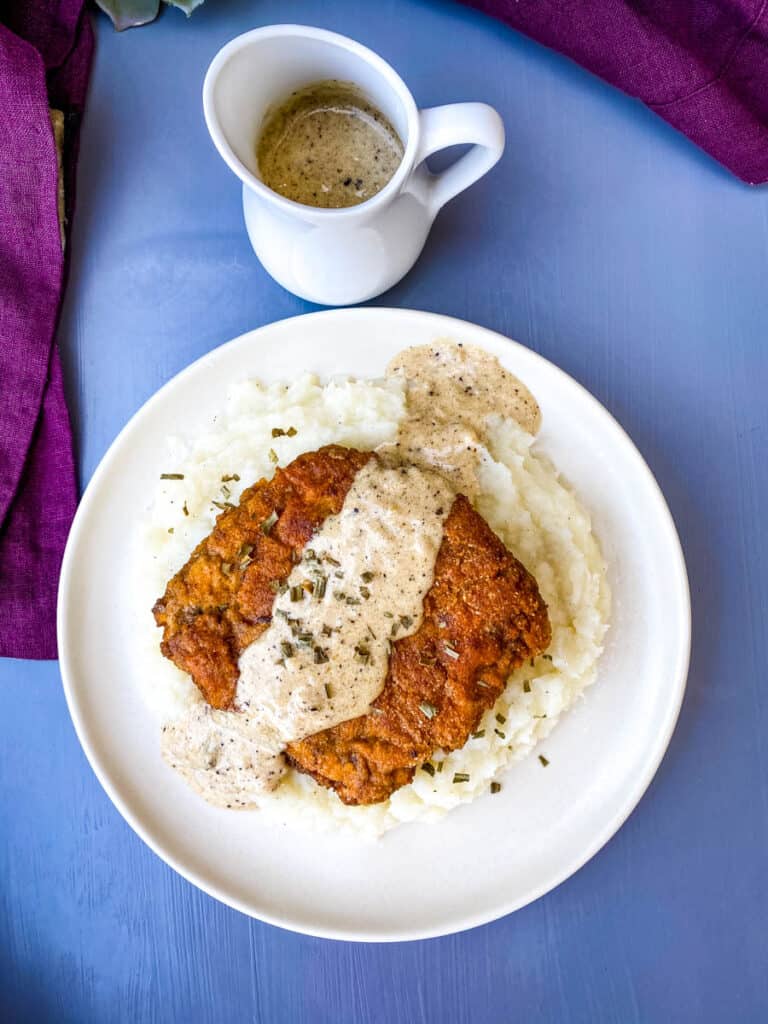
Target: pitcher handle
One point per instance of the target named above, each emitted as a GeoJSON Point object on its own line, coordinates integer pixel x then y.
{"type": "Point", "coordinates": [456, 124]}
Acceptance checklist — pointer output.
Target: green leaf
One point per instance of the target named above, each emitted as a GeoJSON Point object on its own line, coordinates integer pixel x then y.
{"type": "Point", "coordinates": [128, 13]}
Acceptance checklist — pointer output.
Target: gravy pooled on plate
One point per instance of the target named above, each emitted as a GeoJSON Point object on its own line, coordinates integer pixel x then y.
{"type": "Point", "coordinates": [328, 146]}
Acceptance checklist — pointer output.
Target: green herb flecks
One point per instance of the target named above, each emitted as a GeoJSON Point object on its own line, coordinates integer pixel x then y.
{"type": "Point", "coordinates": [362, 654]}
{"type": "Point", "coordinates": [268, 523]}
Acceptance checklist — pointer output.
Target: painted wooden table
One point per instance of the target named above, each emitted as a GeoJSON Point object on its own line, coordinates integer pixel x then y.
{"type": "Point", "coordinates": [607, 243]}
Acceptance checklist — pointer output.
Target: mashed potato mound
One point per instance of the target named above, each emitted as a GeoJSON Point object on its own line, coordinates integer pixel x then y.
{"type": "Point", "coordinates": [536, 515]}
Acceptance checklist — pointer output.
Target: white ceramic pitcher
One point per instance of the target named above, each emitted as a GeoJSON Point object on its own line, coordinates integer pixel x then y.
{"type": "Point", "coordinates": [339, 256]}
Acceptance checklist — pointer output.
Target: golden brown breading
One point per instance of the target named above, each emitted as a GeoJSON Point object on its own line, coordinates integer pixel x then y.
{"type": "Point", "coordinates": [221, 600]}
{"type": "Point", "coordinates": [483, 617]}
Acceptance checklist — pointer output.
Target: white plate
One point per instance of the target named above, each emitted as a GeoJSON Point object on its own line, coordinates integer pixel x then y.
{"type": "Point", "coordinates": [484, 859]}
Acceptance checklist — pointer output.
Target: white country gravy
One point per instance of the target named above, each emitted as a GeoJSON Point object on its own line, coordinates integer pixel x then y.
{"type": "Point", "coordinates": [360, 584]}
{"type": "Point", "coordinates": [452, 389]}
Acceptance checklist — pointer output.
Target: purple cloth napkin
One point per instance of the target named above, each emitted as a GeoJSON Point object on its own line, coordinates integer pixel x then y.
{"type": "Point", "coordinates": [701, 64]}
{"type": "Point", "coordinates": [45, 55]}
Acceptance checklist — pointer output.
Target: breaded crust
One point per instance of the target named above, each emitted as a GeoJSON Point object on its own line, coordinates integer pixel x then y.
{"type": "Point", "coordinates": [221, 600]}
{"type": "Point", "coordinates": [483, 617]}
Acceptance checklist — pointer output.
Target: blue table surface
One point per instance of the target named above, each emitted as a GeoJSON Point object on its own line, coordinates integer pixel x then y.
{"type": "Point", "coordinates": [612, 246]}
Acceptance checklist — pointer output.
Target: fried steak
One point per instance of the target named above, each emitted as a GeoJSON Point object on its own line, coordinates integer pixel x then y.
{"type": "Point", "coordinates": [482, 617]}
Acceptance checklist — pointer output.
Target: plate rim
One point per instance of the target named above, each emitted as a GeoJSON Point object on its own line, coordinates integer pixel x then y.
{"type": "Point", "coordinates": [678, 673]}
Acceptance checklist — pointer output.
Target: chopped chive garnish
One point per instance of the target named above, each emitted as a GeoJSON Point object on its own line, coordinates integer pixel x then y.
{"type": "Point", "coordinates": [304, 638]}
{"type": "Point", "coordinates": [277, 432]}
{"type": "Point", "coordinates": [291, 431]}
{"type": "Point", "coordinates": [226, 568]}
{"type": "Point", "coordinates": [171, 476]}
{"type": "Point", "coordinates": [318, 587]}
{"type": "Point", "coordinates": [339, 595]}
{"type": "Point", "coordinates": [427, 659]}
{"type": "Point", "coordinates": [274, 586]}
{"type": "Point", "coordinates": [478, 735]}
{"type": "Point", "coordinates": [228, 477]}
{"type": "Point", "coordinates": [543, 760]}
{"type": "Point", "coordinates": [245, 551]}
{"type": "Point", "coordinates": [286, 648]}
{"type": "Point", "coordinates": [451, 652]}
{"type": "Point", "coordinates": [272, 455]}
{"type": "Point", "coordinates": [184, 509]}
{"type": "Point", "coordinates": [388, 615]}
{"type": "Point", "coordinates": [428, 710]}
{"type": "Point", "coordinates": [406, 621]}
{"type": "Point", "coordinates": [328, 687]}
{"type": "Point", "coordinates": [223, 505]}
{"type": "Point", "coordinates": [170, 529]}
{"type": "Point", "coordinates": [225, 491]}
{"type": "Point", "coordinates": [339, 575]}
{"type": "Point", "coordinates": [326, 630]}
{"type": "Point", "coordinates": [461, 777]}
{"type": "Point", "coordinates": [268, 523]}
{"type": "Point", "coordinates": [365, 592]}
{"type": "Point", "coordinates": [395, 629]}
{"type": "Point", "coordinates": [547, 657]}
{"type": "Point", "coordinates": [526, 686]}
{"type": "Point", "coordinates": [366, 577]}
{"type": "Point", "coordinates": [353, 600]}
{"type": "Point", "coordinates": [331, 561]}
{"type": "Point", "coordinates": [320, 659]}
{"type": "Point", "coordinates": [297, 593]}
{"type": "Point", "coordinates": [495, 787]}
{"type": "Point", "coordinates": [500, 718]}
{"type": "Point", "coordinates": [440, 766]}
{"type": "Point", "coordinates": [428, 768]}
{"type": "Point", "coordinates": [500, 733]}
{"type": "Point", "coordinates": [362, 654]}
